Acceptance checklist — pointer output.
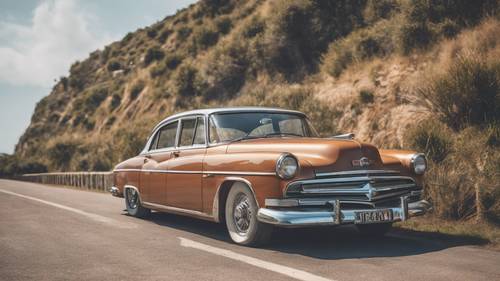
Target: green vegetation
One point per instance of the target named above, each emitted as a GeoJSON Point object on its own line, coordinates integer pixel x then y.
{"type": "Point", "coordinates": [468, 94]}
{"type": "Point", "coordinates": [153, 54]}
{"type": "Point", "coordinates": [136, 89]}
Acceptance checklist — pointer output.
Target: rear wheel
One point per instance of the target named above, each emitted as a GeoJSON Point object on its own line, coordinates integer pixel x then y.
{"type": "Point", "coordinates": [374, 230]}
{"type": "Point", "coordinates": [241, 218]}
{"type": "Point", "coordinates": [133, 204]}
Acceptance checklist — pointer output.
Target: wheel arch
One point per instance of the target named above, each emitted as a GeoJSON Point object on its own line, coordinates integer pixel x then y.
{"type": "Point", "coordinates": [219, 206]}
{"type": "Point", "coordinates": [125, 187]}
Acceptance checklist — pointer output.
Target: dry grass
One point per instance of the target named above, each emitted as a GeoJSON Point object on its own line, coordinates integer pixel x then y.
{"type": "Point", "coordinates": [454, 231]}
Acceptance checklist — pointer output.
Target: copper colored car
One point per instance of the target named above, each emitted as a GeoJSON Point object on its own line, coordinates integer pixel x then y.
{"type": "Point", "coordinates": [258, 168]}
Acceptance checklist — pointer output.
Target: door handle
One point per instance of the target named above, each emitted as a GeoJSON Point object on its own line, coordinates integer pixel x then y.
{"type": "Point", "coordinates": [176, 153]}
{"type": "Point", "coordinates": [146, 158]}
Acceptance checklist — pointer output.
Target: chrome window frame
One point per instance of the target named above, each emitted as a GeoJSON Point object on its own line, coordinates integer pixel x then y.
{"type": "Point", "coordinates": [147, 151]}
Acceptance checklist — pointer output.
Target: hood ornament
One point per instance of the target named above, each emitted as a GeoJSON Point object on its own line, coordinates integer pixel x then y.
{"type": "Point", "coordinates": [362, 163]}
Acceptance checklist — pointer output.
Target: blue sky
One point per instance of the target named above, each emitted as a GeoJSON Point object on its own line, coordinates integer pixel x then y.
{"type": "Point", "coordinates": [40, 39]}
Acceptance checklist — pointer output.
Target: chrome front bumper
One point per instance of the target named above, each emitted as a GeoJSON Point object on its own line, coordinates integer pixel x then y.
{"type": "Point", "coordinates": [337, 216]}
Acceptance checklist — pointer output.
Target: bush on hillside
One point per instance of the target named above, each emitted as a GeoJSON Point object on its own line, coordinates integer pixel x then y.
{"type": "Point", "coordinates": [115, 101]}
{"type": "Point", "coordinates": [95, 98]}
{"type": "Point", "coordinates": [11, 165]}
{"type": "Point", "coordinates": [187, 82]}
{"type": "Point", "coordinates": [164, 35]}
{"type": "Point", "coordinates": [430, 137]}
{"type": "Point", "coordinates": [137, 89]}
{"type": "Point", "coordinates": [205, 37]}
{"type": "Point", "coordinates": [224, 24]}
{"type": "Point", "coordinates": [114, 65]}
{"type": "Point", "coordinates": [226, 71]}
{"type": "Point", "coordinates": [254, 27]}
{"type": "Point", "coordinates": [376, 41]}
{"type": "Point", "coordinates": [366, 96]}
{"type": "Point", "coordinates": [183, 33]}
{"type": "Point", "coordinates": [299, 31]}
{"type": "Point", "coordinates": [153, 54]}
{"type": "Point", "coordinates": [379, 9]}
{"type": "Point", "coordinates": [61, 153]}
{"type": "Point", "coordinates": [469, 93]}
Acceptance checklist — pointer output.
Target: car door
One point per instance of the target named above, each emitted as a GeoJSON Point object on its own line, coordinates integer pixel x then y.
{"type": "Point", "coordinates": [186, 164]}
{"type": "Point", "coordinates": [154, 170]}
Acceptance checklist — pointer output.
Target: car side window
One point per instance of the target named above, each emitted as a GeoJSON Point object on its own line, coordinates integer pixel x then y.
{"type": "Point", "coordinates": [187, 132]}
{"type": "Point", "coordinates": [199, 134]}
{"type": "Point", "coordinates": [166, 136]}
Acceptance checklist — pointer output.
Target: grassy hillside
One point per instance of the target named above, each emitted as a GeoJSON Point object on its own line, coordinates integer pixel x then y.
{"type": "Point", "coordinates": [422, 74]}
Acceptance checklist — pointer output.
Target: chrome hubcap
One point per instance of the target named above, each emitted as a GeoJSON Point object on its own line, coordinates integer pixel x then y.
{"type": "Point", "coordinates": [242, 213]}
{"type": "Point", "coordinates": [132, 198]}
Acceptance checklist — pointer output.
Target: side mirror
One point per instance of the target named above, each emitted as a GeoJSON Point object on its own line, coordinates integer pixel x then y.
{"type": "Point", "coordinates": [348, 136]}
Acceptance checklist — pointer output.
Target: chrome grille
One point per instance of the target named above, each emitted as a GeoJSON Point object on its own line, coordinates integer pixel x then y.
{"type": "Point", "coordinates": [359, 185]}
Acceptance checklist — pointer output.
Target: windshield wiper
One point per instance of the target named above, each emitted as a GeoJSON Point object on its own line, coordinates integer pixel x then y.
{"type": "Point", "coordinates": [248, 137]}
{"type": "Point", "coordinates": [245, 137]}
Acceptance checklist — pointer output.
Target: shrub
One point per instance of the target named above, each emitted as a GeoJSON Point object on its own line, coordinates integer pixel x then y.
{"type": "Point", "coordinates": [164, 35]}
{"type": "Point", "coordinates": [432, 138]}
{"type": "Point", "coordinates": [114, 65]}
{"type": "Point", "coordinates": [158, 69]}
{"type": "Point", "coordinates": [414, 36]}
{"type": "Point", "coordinates": [61, 154]}
{"type": "Point", "coordinates": [152, 33]}
{"type": "Point", "coordinates": [366, 96]}
{"type": "Point", "coordinates": [115, 101]}
{"type": "Point", "coordinates": [100, 165]}
{"type": "Point", "coordinates": [173, 61]}
{"type": "Point", "coordinates": [186, 81]}
{"type": "Point", "coordinates": [137, 89]}
{"type": "Point", "coordinates": [469, 93]}
{"type": "Point", "coordinates": [96, 97]}
{"type": "Point", "coordinates": [205, 37]}
{"type": "Point", "coordinates": [12, 165]}
{"type": "Point", "coordinates": [224, 24]}
{"type": "Point", "coordinates": [379, 9]}
{"type": "Point", "coordinates": [226, 71]}
{"type": "Point", "coordinates": [153, 54]}
{"type": "Point", "coordinates": [253, 27]}
{"type": "Point", "coordinates": [183, 33]}
{"type": "Point", "coordinates": [376, 41]}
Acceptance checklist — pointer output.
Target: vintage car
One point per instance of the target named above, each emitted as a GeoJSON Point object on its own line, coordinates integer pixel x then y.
{"type": "Point", "coordinates": [255, 168]}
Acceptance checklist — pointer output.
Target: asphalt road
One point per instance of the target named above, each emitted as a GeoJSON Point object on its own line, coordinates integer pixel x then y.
{"type": "Point", "coordinates": [52, 233]}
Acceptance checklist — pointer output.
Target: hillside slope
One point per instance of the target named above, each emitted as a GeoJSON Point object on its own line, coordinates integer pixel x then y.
{"type": "Point", "coordinates": [381, 69]}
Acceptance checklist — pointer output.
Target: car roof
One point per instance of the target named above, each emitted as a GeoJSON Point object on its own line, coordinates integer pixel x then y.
{"type": "Point", "coordinates": [209, 111]}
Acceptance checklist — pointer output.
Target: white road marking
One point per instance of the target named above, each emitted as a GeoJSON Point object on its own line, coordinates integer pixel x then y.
{"type": "Point", "coordinates": [285, 270]}
{"type": "Point", "coordinates": [92, 216]}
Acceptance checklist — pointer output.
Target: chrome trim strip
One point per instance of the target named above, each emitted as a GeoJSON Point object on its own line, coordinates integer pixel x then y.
{"type": "Point", "coordinates": [357, 172]}
{"type": "Point", "coordinates": [349, 179]}
{"type": "Point", "coordinates": [199, 172]}
{"type": "Point", "coordinates": [240, 173]}
{"type": "Point", "coordinates": [176, 210]}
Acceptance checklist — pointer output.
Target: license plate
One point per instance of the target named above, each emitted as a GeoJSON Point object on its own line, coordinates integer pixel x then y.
{"type": "Point", "coordinates": [373, 216]}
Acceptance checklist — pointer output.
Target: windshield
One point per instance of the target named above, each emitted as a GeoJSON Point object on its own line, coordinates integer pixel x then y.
{"type": "Point", "coordinates": [235, 126]}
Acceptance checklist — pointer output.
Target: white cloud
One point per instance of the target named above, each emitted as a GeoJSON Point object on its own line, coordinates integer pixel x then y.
{"type": "Point", "coordinates": [37, 54]}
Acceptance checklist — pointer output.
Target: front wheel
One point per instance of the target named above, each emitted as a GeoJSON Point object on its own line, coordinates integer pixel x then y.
{"type": "Point", "coordinates": [241, 218]}
{"type": "Point", "coordinates": [374, 230]}
{"type": "Point", "coordinates": [133, 204]}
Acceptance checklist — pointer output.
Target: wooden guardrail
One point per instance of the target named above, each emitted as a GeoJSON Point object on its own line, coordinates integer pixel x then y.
{"type": "Point", "coordinates": [86, 180]}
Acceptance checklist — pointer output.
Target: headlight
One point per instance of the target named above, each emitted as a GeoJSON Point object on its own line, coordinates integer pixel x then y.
{"type": "Point", "coordinates": [419, 163]}
{"type": "Point", "coordinates": [287, 166]}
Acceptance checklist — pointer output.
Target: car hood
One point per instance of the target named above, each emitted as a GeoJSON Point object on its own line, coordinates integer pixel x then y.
{"type": "Point", "coordinates": [324, 155]}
